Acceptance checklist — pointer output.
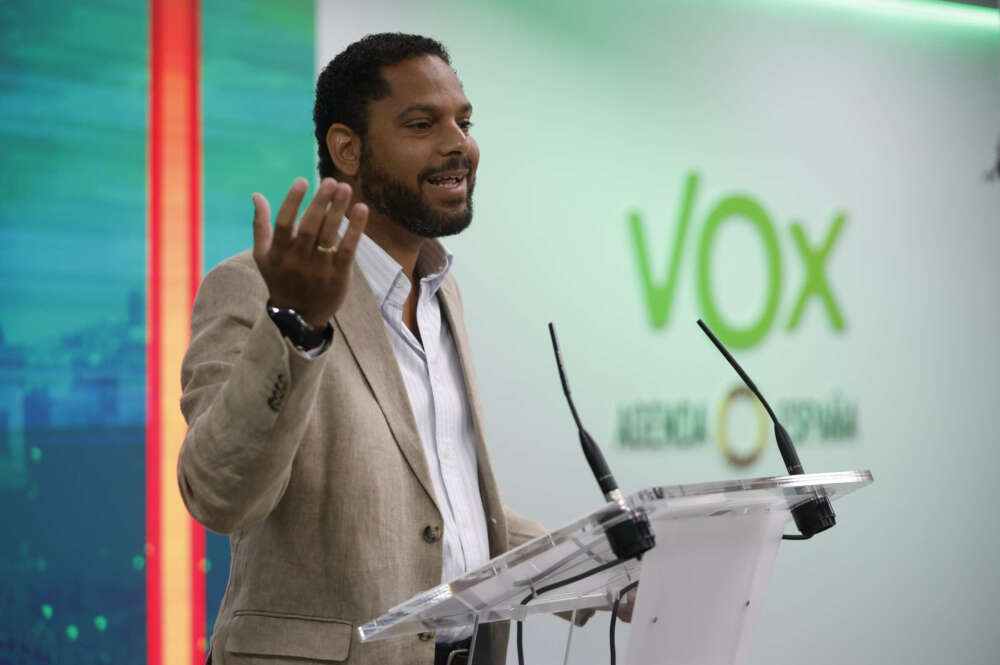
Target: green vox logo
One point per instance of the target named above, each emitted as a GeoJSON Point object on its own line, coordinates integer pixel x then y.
{"type": "Point", "coordinates": [732, 209]}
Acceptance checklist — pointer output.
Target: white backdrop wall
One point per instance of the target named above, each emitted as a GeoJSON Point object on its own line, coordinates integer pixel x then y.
{"type": "Point", "coordinates": [794, 114]}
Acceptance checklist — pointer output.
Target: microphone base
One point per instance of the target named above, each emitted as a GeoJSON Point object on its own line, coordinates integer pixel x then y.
{"type": "Point", "coordinates": [814, 516]}
{"type": "Point", "coordinates": [632, 538]}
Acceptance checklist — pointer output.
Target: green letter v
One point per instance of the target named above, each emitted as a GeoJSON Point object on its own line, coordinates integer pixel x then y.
{"type": "Point", "coordinates": [659, 296]}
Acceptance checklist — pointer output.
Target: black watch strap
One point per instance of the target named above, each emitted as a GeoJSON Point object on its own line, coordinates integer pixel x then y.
{"type": "Point", "coordinates": [303, 336]}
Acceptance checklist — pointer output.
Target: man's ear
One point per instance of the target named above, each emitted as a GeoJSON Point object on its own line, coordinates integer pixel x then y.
{"type": "Point", "coordinates": [345, 148]}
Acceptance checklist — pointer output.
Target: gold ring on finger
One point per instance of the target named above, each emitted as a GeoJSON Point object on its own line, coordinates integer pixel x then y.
{"type": "Point", "coordinates": [325, 250]}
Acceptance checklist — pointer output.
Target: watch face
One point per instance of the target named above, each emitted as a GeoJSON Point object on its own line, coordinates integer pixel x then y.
{"type": "Point", "coordinates": [303, 336]}
{"type": "Point", "coordinates": [289, 323]}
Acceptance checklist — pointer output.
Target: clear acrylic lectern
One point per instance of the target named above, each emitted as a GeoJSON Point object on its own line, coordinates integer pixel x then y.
{"type": "Point", "coordinates": [701, 584]}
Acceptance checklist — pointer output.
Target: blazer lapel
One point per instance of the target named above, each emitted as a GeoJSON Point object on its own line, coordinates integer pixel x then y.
{"type": "Point", "coordinates": [496, 525]}
{"type": "Point", "coordinates": [364, 331]}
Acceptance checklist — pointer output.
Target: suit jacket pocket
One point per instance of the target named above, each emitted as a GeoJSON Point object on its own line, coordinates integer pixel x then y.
{"type": "Point", "coordinates": [262, 633]}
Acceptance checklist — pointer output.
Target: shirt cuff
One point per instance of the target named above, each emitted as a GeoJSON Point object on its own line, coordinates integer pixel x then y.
{"type": "Point", "coordinates": [313, 353]}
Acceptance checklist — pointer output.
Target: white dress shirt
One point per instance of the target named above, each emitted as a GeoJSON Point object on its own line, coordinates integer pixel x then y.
{"type": "Point", "coordinates": [432, 374]}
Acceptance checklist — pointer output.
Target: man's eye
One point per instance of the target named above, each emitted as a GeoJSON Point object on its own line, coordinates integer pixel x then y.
{"type": "Point", "coordinates": [466, 125]}
{"type": "Point", "coordinates": [421, 125]}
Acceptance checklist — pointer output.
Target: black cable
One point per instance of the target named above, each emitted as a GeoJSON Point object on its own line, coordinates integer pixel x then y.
{"type": "Point", "coordinates": [587, 549]}
{"type": "Point", "coordinates": [550, 587]}
{"type": "Point", "coordinates": [614, 615]}
{"type": "Point", "coordinates": [796, 536]}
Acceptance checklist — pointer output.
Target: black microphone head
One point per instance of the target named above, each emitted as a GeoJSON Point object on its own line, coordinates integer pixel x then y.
{"type": "Point", "coordinates": [813, 516]}
{"type": "Point", "coordinates": [787, 449]}
{"type": "Point", "coordinates": [595, 458]}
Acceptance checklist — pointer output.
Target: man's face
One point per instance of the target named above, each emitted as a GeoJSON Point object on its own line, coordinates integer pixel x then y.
{"type": "Point", "coordinates": [418, 164]}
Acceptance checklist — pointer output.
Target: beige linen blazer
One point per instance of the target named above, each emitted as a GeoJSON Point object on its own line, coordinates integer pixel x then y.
{"type": "Point", "coordinates": [316, 471]}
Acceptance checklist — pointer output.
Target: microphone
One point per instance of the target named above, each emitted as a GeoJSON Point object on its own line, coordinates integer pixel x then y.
{"type": "Point", "coordinates": [814, 515]}
{"type": "Point", "coordinates": [629, 538]}
{"type": "Point", "coordinates": [598, 465]}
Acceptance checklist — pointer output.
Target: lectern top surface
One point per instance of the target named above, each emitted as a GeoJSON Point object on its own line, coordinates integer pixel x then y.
{"type": "Point", "coordinates": [494, 592]}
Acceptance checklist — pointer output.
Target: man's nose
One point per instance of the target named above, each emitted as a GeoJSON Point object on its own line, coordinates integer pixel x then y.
{"type": "Point", "coordinates": [454, 140]}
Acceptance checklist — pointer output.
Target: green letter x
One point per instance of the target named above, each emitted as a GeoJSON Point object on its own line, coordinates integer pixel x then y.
{"type": "Point", "coordinates": [814, 262]}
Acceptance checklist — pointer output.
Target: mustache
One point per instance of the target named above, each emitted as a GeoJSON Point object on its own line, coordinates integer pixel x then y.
{"type": "Point", "coordinates": [452, 164]}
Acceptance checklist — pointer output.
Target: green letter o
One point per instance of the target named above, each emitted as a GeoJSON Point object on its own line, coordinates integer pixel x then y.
{"type": "Point", "coordinates": [739, 206]}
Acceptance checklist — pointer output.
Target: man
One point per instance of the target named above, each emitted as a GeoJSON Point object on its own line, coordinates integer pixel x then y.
{"type": "Point", "coordinates": [334, 424]}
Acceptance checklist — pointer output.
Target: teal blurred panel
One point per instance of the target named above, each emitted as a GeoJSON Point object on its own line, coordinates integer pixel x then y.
{"type": "Point", "coordinates": [73, 126]}
{"type": "Point", "coordinates": [257, 92]}
{"type": "Point", "coordinates": [72, 331]}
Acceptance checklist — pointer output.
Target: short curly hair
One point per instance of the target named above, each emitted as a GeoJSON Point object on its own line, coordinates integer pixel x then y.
{"type": "Point", "coordinates": [354, 78]}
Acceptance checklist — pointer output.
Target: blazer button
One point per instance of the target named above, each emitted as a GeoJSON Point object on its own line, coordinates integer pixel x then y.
{"type": "Point", "coordinates": [432, 533]}
{"type": "Point", "coordinates": [426, 637]}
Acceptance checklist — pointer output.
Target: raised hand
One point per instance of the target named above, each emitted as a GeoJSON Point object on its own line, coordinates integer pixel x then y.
{"type": "Point", "coordinates": [303, 266]}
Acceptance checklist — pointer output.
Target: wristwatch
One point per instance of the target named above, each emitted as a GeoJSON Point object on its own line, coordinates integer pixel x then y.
{"type": "Point", "coordinates": [303, 336]}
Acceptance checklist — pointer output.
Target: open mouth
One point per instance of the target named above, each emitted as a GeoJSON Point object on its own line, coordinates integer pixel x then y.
{"type": "Point", "coordinates": [447, 181]}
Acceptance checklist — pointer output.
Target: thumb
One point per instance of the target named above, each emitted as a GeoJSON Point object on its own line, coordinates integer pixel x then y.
{"type": "Point", "coordinates": [262, 233]}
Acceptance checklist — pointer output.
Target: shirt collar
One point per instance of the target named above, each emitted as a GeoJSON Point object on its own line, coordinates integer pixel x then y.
{"type": "Point", "coordinates": [385, 276]}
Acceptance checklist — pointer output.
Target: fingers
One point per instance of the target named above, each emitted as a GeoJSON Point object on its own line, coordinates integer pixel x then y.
{"type": "Point", "coordinates": [312, 219]}
{"type": "Point", "coordinates": [261, 225]}
{"type": "Point", "coordinates": [344, 257]}
{"type": "Point", "coordinates": [330, 230]}
{"type": "Point", "coordinates": [284, 223]}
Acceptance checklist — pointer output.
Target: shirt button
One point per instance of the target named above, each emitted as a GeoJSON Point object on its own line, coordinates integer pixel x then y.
{"type": "Point", "coordinates": [426, 637]}
{"type": "Point", "coordinates": [445, 452]}
{"type": "Point", "coordinates": [432, 533]}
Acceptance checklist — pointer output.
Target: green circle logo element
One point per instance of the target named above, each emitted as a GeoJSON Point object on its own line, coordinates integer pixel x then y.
{"type": "Point", "coordinates": [722, 432]}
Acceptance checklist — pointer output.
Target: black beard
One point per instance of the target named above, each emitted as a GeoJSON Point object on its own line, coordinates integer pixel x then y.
{"type": "Point", "coordinates": [406, 206]}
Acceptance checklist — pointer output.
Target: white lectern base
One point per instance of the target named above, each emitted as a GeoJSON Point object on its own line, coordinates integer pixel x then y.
{"type": "Point", "coordinates": [701, 592]}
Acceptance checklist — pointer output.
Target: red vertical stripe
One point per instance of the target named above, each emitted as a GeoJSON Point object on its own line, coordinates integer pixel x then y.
{"type": "Point", "coordinates": [175, 173]}
{"type": "Point", "coordinates": [198, 624]}
{"type": "Point", "coordinates": [153, 341]}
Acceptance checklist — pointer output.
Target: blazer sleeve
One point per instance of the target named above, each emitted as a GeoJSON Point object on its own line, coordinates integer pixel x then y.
{"type": "Point", "coordinates": [247, 398]}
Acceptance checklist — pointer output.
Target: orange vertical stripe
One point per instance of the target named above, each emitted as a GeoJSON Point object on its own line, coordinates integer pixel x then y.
{"type": "Point", "coordinates": [176, 583]}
